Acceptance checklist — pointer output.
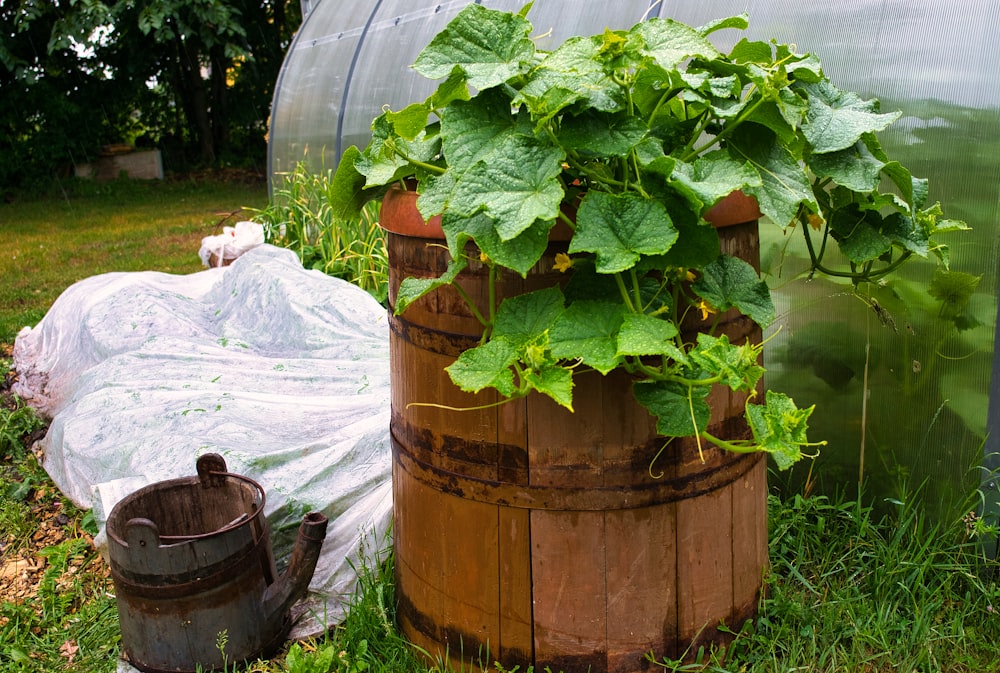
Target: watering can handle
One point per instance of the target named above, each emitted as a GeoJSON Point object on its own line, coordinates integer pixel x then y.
{"type": "Point", "coordinates": [210, 464]}
{"type": "Point", "coordinates": [141, 533]}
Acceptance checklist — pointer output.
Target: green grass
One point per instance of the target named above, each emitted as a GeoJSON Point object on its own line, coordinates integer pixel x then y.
{"type": "Point", "coordinates": [51, 242]}
{"type": "Point", "coordinates": [848, 589]}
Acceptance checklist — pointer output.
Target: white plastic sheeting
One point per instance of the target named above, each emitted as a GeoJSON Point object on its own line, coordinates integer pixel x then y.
{"type": "Point", "coordinates": [281, 370]}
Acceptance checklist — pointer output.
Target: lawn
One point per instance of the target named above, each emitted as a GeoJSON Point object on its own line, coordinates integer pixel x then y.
{"type": "Point", "coordinates": [92, 228]}
{"type": "Point", "coordinates": [847, 589]}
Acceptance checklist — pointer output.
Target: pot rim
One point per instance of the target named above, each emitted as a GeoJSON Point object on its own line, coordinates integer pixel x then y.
{"type": "Point", "coordinates": [399, 215]}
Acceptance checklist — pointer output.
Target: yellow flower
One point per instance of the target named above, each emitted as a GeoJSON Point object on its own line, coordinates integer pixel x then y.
{"type": "Point", "coordinates": [483, 257]}
{"type": "Point", "coordinates": [705, 308]}
{"type": "Point", "coordinates": [815, 221]}
{"type": "Point", "coordinates": [563, 262]}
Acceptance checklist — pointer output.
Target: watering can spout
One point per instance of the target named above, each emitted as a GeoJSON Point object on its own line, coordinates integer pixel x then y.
{"type": "Point", "coordinates": [295, 582]}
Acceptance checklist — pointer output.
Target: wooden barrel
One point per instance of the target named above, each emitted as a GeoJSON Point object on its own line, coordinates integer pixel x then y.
{"type": "Point", "coordinates": [527, 534]}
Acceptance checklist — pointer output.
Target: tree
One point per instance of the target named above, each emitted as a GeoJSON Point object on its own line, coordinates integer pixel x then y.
{"type": "Point", "coordinates": [194, 77]}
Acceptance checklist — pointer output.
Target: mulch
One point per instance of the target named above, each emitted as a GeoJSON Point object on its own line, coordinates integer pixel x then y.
{"type": "Point", "coordinates": [54, 521]}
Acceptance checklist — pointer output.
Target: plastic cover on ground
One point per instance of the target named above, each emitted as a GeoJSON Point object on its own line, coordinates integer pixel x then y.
{"type": "Point", "coordinates": [281, 370]}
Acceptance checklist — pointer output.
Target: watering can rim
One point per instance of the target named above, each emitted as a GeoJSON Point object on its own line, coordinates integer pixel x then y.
{"type": "Point", "coordinates": [242, 520]}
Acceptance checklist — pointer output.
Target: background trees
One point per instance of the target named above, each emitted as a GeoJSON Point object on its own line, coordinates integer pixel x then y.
{"type": "Point", "coordinates": [192, 77]}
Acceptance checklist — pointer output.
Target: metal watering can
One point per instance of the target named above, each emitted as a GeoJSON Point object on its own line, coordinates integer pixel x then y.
{"type": "Point", "coordinates": [194, 575]}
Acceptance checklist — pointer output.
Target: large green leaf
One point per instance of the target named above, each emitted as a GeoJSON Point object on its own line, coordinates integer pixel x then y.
{"type": "Point", "coordinates": [412, 289]}
{"type": "Point", "coordinates": [713, 177]}
{"type": "Point", "coordinates": [588, 331]}
{"type": "Point", "coordinates": [642, 335]}
{"type": "Point", "coordinates": [620, 229]}
{"type": "Point", "coordinates": [519, 254]}
{"type": "Point", "coordinates": [680, 411]}
{"type": "Point", "coordinates": [858, 233]}
{"type": "Point", "coordinates": [472, 130]}
{"type": "Point", "coordinates": [486, 366]}
{"type": "Point", "coordinates": [903, 232]}
{"type": "Point", "coordinates": [515, 184]}
{"type": "Point", "coordinates": [784, 183]}
{"type": "Point", "coordinates": [914, 190]}
{"type": "Point", "coordinates": [347, 191]}
{"type": "Point", "coordinates": [526, 318]}
{"type": "Point", "coordinates": [837, 119]}
{"type": "Point", "coordinates": [731, 282]}
{"type": "Point", "coordinates": [602, 134]}
{"type": "Point", "coordinates": [739, 22]}
{"type": "Point", "coordinates": [670, 42]}
{"type": "Point", "coordinates": [854, 167]}
{"type": "Point", "coordinates": [572, 73]}
{"type": "Point", "coordinates": [490, 46]}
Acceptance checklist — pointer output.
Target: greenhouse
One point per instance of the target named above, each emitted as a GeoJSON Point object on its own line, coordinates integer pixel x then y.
{"type": "Point", "coordinates": [928, 379]}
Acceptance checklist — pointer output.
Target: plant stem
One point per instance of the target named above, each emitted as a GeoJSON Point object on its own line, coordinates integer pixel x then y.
{"type": "Point", "coordinates": [623, 290]}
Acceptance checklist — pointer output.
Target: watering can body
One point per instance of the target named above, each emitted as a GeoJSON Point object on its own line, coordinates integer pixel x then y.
{"type": "Point", "coordinates": [194, 575]}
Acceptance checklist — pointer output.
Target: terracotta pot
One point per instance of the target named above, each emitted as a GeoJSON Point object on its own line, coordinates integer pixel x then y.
{"type": "Point", "coordinates": [527, 534]}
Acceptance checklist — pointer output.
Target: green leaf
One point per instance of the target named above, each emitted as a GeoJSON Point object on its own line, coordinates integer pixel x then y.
{"type": "Point", "coordinates": [731, 282]}
{"type": "Point", "coordinates": [453, 89]}
{"type": "Point", "coordinates": [472, 130]}
{"type": "Point", "coordinates": [779, 428]}
{"type": "Point", "coordinates": [696, 246]}
{"type": "Point", "coordinates": [519, 254]}
{"type": "Point", "coordinates": [784, 184]}
{"type": "Point", "coordinates": [602, 134]}
{"type": "Point", "coordinates": [524, 319]}
{"type": "Point", "coordinates": [914, 190]}
{"type": "Point", "coordinates": [554, 381]}
{"type": "Point", "coordinates": [858, 233]}
{"type": "Point", "coordinates": [740, 22]}
{"type": "Point", "coordinates": [641, 335]}
{"type": "Point", "coordinates": [387, 156]}
{"type": "Point", "coordinates": [680, 411]}
{"type": "Point", "coordinates": [953, 289]}
{"type": "Point", "coordinates": [412, 289]}
{"type": "Point", "coordinates": [670, 42]}
{"type": "Point", "coordinates": [410, 121]}
{"type": "Point", "coordinates": [588, 331]}
{"type": "Point", "coordinates": [837, 119]}
{"type": "Point", "coordinates": [855, 167]}
{"type": "Point", "coordinates": [620, 229]}
{"type": "Point", "coordinates": [747, 51]}
{"type": "Point", "coordinates": [347, 193]}
{"type": "Point", "coordinates": [489, 46]}
{"type": "Point", "coordinates": [735, 366]}
{"type": "Point", "coordinates": [901, 231]}
{"type": "Point", "coordinates": [515, 185]}
{"type": "Point", "coordinates": [486, 366]}
{"type": "Point", "coordinates": [713, 177]}
{"type": "Point", "coordinates": [572, 73]}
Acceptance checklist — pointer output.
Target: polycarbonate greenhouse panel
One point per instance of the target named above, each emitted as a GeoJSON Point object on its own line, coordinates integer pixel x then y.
{"type": "Point", "coordinates": [350, 59]}
{"type": "Point", "coordinates": [901, 380]}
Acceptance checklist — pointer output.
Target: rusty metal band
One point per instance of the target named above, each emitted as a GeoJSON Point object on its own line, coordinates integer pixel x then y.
{"type": "Point", "coordinates": [430, 339]}
{"type": "Point", "coordinates": [190, 584]}
{"type": "Point", "coordinates": [581, 499]}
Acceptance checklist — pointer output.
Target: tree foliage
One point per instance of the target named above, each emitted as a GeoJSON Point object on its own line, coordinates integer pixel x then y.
{"type": "Point", "coordinates": [192, 77]}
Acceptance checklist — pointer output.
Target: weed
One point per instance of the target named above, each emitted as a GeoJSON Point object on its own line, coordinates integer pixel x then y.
{"type": "Point", "coordinates": [17, 421]}
{"type": "Point", "coordinates": [301, 218]}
